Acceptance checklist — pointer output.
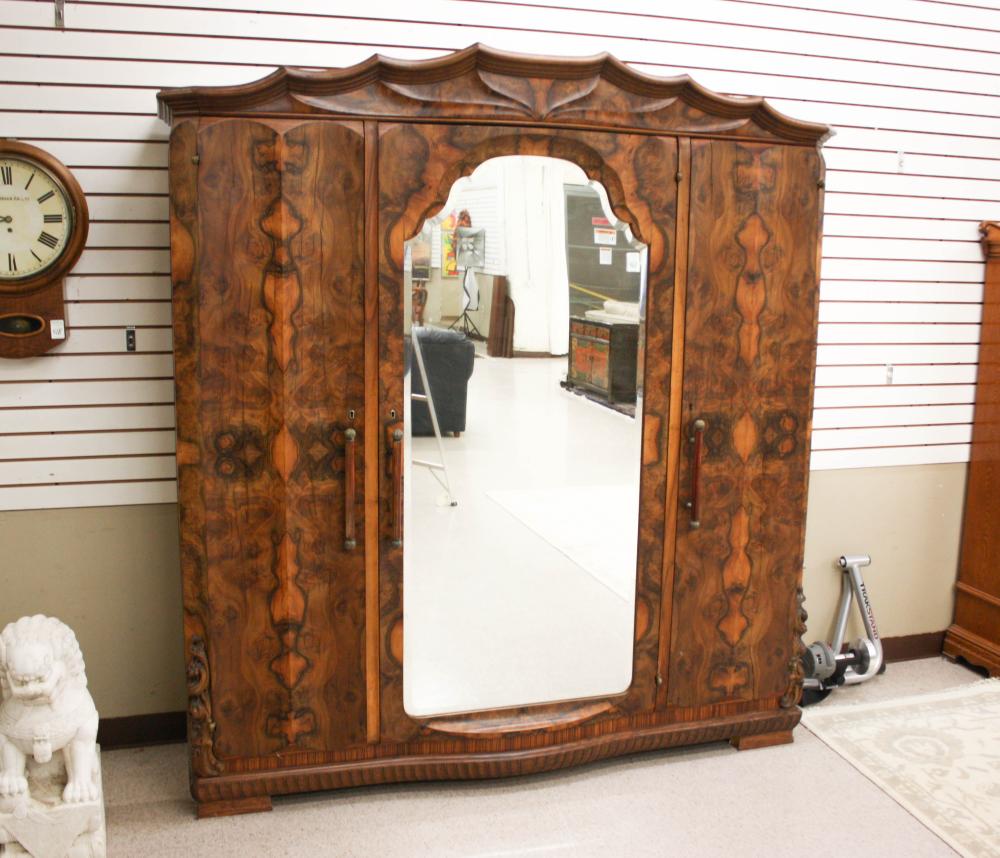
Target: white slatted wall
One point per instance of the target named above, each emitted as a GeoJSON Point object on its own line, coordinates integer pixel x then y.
{"type": "Point", "coordinates": [910, 85]}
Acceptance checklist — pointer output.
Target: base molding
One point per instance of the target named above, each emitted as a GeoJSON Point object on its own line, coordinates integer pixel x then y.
{"type": "Point", "coordinates": [157, 728]}
{"type": "Point", "coordinates": [909, 647]}
{"type": "Point", "coordinates": [243, 786]}
{"type": "Point", "coordinates": [961, 643]}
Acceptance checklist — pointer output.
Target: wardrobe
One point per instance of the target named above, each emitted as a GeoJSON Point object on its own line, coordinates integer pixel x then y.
{"type": "Point", "coordinates": [290, 202]}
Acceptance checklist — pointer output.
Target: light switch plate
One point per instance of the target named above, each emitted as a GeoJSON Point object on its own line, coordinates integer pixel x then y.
{"type": "Point", "coordinates": [57, 328]}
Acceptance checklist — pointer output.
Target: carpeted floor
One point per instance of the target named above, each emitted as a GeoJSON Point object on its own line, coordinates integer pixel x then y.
{"type": "Point", "coordinates": [798, 799]}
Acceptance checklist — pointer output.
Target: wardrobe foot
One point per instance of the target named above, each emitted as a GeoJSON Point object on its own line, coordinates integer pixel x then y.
{"type": "Point", "coordinates": [761, 740]}
{"type": "Point", "coordinates": [232, 806]}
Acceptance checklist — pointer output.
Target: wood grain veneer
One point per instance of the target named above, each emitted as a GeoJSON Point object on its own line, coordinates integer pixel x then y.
{"type": "Point", "coordinates": [291, 199]}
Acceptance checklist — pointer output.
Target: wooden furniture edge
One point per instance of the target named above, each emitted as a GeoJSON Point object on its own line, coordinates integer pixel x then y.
{"type": "Point", "coordinates": [974, 606]}
{"type": "Point", "coordinates": [960, 643]}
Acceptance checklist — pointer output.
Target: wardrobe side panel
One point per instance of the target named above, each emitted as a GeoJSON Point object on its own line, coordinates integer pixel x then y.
{"type": "Point", "coordinates": [184, 253]}
{"type": "Point", "coordinates": [749, 362]}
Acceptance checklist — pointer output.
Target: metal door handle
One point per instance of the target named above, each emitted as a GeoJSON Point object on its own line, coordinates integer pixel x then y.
{"type": "Point", "coordinates": [396, 451]}
{"type": "Point", "coordinates": [349, 487]}
{"type": "Point", "coordinates": [697, 434]}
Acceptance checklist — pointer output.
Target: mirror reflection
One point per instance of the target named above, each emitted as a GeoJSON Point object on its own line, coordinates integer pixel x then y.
{"type": "Point", "coordinates": [525, 307]}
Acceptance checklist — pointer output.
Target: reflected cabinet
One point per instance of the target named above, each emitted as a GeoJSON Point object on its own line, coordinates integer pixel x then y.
{"type": "Point", "coordinates": [567, 577]}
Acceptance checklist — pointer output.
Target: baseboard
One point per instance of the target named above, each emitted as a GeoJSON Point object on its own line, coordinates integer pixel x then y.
{"type": "Point", "coordinates": [158, 728]}
{"type": "Point", "coordinates": [909, 647]}
{"type": "Point", "coordinates": [163, 727]}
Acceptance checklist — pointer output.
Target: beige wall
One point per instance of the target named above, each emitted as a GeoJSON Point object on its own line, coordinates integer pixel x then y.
{"type": "Point", "coordinates": [909, 520]}
{"type": "Point", "coordinates": [111, 573]}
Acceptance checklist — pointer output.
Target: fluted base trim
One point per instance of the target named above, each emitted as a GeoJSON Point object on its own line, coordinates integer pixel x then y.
{"type": "Point", "coordinates": [247, 785]}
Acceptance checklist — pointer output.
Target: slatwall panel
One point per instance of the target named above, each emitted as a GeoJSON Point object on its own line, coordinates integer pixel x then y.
{"type": "Point", "coordinates": [910, 85]}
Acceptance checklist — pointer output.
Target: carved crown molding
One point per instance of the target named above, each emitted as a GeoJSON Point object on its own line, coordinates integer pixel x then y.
{"type": "Point", "coordinates": [483, 84]}
{"type": "Point", "coordinates": [990, 232]}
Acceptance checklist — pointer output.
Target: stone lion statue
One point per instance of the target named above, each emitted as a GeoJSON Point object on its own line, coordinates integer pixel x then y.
{"type": "Point", "coordinates": [45, 707]}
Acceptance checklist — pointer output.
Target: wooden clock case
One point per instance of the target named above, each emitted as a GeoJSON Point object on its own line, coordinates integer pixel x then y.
{"type": "Point", "coordinates": [290, 201]}
{"type": "Point", "coordinates": [42, 296]}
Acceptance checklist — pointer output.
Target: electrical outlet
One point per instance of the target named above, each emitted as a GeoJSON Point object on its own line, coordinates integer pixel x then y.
{"type": "Point", "coordinates": [130, 339]}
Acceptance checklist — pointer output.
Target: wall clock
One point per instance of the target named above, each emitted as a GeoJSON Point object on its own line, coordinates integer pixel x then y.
{"type": "Point", "coordinates": [43, 228]}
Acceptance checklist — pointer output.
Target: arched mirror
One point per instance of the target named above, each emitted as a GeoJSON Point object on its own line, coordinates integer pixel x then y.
{"type": "Point", "coordinates": [523, 409]}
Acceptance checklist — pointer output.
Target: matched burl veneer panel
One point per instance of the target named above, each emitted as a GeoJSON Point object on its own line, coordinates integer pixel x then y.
{"type": "Point", "coordinates": [418, 164]}
{"type": "Point", "coordinates": [749, 356]}
{"type": "Point", "coordinates": [268, 295]}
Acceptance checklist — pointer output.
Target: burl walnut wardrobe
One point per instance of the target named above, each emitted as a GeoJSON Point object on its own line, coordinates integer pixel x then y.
{"type": "Point", "coordinates": [290, 201]}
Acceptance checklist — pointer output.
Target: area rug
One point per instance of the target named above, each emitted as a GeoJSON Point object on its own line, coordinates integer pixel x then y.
{"type": "Point", "coordinates": [938, 755]}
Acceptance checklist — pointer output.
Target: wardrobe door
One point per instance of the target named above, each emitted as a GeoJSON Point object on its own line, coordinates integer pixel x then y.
{"type": "Point", "coordinates": [749, 356]}
{"type": "Point", "coordinates": [269, 328]}
{"type": "Point", "coordinates": [418, 165]}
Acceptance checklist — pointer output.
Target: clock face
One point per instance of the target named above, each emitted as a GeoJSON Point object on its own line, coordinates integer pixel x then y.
{"type": "Point", "coordinates": [36, 219]}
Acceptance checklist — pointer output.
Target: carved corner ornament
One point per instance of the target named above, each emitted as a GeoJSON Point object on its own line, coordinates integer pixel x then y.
{"type": "Point", "coordinates": [201, 726]}
{"type": "Point", "coordinates": [796, 671]}
{"type": "Point", "coordinates": [990, 232]}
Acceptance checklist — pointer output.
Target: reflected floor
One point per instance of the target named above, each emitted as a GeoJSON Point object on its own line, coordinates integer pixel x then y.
{"type": "Point", "coordinates": [524, 592]}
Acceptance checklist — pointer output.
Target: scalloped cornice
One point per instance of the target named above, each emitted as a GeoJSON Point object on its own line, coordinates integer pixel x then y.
{"type": "Point", "coordinates": [480, 84]}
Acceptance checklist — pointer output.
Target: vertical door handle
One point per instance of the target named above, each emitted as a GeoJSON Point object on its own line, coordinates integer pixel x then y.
{"type": "Point", "coordinates": [349, 487]}
{"type": "Point", "coordinates": [694, 505]}
{"type": "Point", "coordinates": [396, 451]}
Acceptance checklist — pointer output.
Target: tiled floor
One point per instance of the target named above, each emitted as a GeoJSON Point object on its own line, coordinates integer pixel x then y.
{"type": "Point", "coordinates": [792, 800]}
{"type": "Point", "coordinates": [525, 591]}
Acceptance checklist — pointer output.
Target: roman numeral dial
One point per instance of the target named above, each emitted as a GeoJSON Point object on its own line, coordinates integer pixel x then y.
{"type": "Point", "coordinates": [43, 230]}
{"type": "Point", "coordinates": [36, 218]}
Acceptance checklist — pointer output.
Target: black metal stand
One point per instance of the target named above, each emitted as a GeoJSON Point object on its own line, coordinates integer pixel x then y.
{"type": "Point", "coordinates": [465, 324]}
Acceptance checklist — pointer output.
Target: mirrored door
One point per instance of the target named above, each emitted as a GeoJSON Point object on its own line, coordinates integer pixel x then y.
{"type": "Point", "coordinates": [521, 470]}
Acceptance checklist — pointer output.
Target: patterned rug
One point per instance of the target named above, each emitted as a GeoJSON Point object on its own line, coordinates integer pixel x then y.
{"type": "Point", "coordinates": [938, 755]}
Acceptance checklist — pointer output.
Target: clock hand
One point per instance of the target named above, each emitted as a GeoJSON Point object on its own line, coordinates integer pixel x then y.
{"type": "Point", "coordinates": [7, 219]}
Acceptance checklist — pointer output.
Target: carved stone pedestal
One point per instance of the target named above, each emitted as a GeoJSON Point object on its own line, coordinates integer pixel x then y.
{"type": "Point", "coordinates": [43, 826]}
